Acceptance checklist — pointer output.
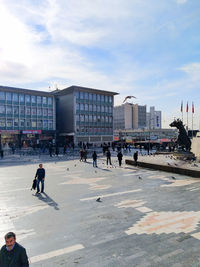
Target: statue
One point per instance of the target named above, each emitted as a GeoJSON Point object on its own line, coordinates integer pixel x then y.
{"type": "Point", "coordinates": [183, 139]}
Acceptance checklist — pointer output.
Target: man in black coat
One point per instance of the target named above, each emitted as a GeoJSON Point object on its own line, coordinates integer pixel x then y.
{"type": "Point", "coordinates": [12, 254]}
{"type": "Point", "coordinates": [40, 175]}
{"type": "Point", "coordinates": [120, 156]}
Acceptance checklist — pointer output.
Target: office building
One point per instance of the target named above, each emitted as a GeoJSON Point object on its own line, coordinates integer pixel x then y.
{"type": "Point", "coordinates": [154, 119]}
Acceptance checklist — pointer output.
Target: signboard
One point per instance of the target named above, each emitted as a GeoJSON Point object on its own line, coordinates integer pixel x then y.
{"type": "Point", "coordinates": [10, 131]}
{"type": "Point", "coordinates": [32, 132]}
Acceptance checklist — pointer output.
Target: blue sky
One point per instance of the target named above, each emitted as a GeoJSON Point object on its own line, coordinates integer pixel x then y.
{"type": "Point", "coordinates": [149, 49]}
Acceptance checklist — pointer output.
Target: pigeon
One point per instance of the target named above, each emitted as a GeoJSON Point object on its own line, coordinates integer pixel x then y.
{"type": "Point", "coordinates": [175, 164]}
{"type": "Point", "coordinates": [173, 178]}
{"type": "Point", "coordinates": [128, 97]}
{"type": "Point", "coordinates": [98, 199]}
{"type": "Point", "coordinates": [140, 177]}
{"type": "Point", "coordinates": [75, 165]}
{"type": "Point", "coordinates": [67, 169]}
{"type": "Point", "coordinates": [168, 164]}
{"type": "Point", "coordinates": [195, 165]}
{"type": "Point", "coordinates": [95, 171]}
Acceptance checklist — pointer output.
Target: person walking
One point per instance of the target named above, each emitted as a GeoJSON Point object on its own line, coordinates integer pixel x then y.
{"type": "Point", "coordinates": [13, 254]}
{"type": "Point", "coordinates": [120, 156]}
{"type": "Point", "coordinates": [94, 157]}
{"type": "Point", "coordinates": [135, 156]}
{"type": "Point", "coordinates": [108, 157]}
{"type": "Point", "coordinates": [40, 175]}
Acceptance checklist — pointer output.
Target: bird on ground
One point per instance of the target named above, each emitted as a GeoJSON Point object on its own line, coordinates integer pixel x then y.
{"type": "Point", "coordinates": [67, 169]}
{"type": "Point", "coordinates": [128, 97]}
{"type": "Point", "coordinates": [140, 177]}
{"type": "Point", "coordinates": [173, 178]}
{"type": "Point", "coordinates": [75, 165]}
{"type": "Point", "coordinates": [98, 199]}
{"type": "Point", "coordinates": [195, 165]}
{"type": "Point", "coordinates": [95, 171]}
{"type": "Point", "coordinates": [168, 164]}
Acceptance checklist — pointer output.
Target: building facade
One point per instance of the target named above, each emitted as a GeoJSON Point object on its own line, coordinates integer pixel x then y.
{"type": "Point", "coordinates": [27, 117]}
{"type": "Point", "coordinates": [129, 116]}
{"type": "Point", "coordinates": [154, 119]}
{"type": "Point", "coordinates": [84, 114]}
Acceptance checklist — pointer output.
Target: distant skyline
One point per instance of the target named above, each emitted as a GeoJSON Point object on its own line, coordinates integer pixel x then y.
{"type": "Point", "coordinates": [149, 49]}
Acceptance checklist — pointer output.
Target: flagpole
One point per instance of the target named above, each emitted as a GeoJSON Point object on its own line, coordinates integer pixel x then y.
{"type": "Point", "coordinates": [192, 117]}
{"type": "Point", "coordinates": [187, 116]}
{"type": "Point", "coordinates": [182, 110]}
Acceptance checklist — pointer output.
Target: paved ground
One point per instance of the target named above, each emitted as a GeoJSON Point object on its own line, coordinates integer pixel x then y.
{"type": "Point", "coordinates": [146, 217]}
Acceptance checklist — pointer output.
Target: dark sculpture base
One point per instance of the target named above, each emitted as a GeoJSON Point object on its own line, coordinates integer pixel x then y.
{"type": "Point", "coordinates": [184, 155]}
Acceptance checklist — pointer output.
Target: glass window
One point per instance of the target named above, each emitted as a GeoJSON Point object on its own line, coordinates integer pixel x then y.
{"type": "Point", "coordinates": [98, 98]}
{"type": "Point", "coordinates": [39, 124]}
{"type": "Point", "coordinates": [82, 107]}
{"type": "Point", "coordinates": [39, 99]}
{"type": "Point", "coordinates": [9, 123]}
{"type": "Point", "coordinates": [94, 108]}
{"type": "Point", "coordinates": [106, 118]}
{"type": "Point", "coordinates": [21, 97]}
{"type": "Point", "coordinates": [50, 112]}
{"type": "Point", "coordinates": [90, 96]}
{"type": "Point", "coordinates": [33, 99]}
{"type": "Point", "coordinates": [28, 98]}
{"type": "Point", "coordinates": [16, 110]}
{"type": "Point", "coordinates": [77, 129]}
{"type": "Point", "coordinates": [90, 118]}
{"type": "Point", "coordinates": [44, 100]}
{"type": "Point", "coordinates": [2, 122]}
{"type": "Point", "coordinates": [21, 110]}
{"type": "Point", "coordinates": [50, 100]}
{"type": "Point", "coordinates": [21, 123]}
{"type": "Point", "coordinates": [98, 108]}
{"type": "Point", "coordinates": [45, 124]}
{"type": "Point", "coordinates": [94, 118]}
{"type": "Point", "coordinates": [82, 118]}
{"type": "Point", "coordinates": [2, 109]}
{"type": "Point", "coordinates": [106, 98]}
{"type": "Point", "coordinates": [28, 111]}
{"type": "Point", "coordinates": [110, 109]}
{"type": "Point", "coordinates": [94, 97]}
{"type": "Point", "coordinates": [28, 123]}
{"type": "Point", "coordinates": [15, 97]}
{"type": "Point", "coordinates": [110, 99]}
{"type": "Point", "coordinates": [50, 124]}
{"type": "Point", "coordinates": [77, 106]}
{"type": "Point", "coordinates": [9, 109]}
{"type": "Point", "coordinates": [77, 117]}
{"type": "Point", "coordinates": [86, 95]}
{"type": "Point", "coordinates": [39, 111]}
{"type": "Point", "coordinates": [34, 111]}
{"type": "Point", "coordinates": [102, 119]}
{"type": "Point", "coordinates": [33, 124]}
{"type": "Point", "coordinates": [45, 111]}
{"type": "Point", "coordinates": [8, 96]}
{"type": "Point", "coordinates": [110, 119]}
{"type": "Point", "coordinates": [86, 118]}
{"type": "Point", "coordinates": [86, 107]}
{"type": "Point", "coordinates": [102, 98]}
{"type": "Point", "coordinates": [102, 109]}
{"type": "Point", "coordinates": [98, 118]}
{"type": "Point", "coordinates": [81, 95]}
{"type": "Point", "coordinates": [90, 107]}
{"type": "Point", "coordinates": [106, 109]}
{"type": "Point", "coordinates": [2, 96]}
{"type": "Point", "coordinates": [16, 122]}
{"type": "Point", "coordinates": [77, 94]}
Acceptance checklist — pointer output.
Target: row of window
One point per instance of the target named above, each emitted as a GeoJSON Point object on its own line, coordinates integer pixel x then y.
{"type": "Point", "coordinates": [40, 124]}
{"type": "Point", "coordinates": [90, 118]}
{"type": "Point", "coordinates": [94, 108]}
{"type": "Point", "coordinates": [94, 97]}
{"type": "Point", "coordinates": [99, 130]}
{"type": "Point", "coordinates": [25, 110]}
{"type": "Point", "coordinates": [15, 97]}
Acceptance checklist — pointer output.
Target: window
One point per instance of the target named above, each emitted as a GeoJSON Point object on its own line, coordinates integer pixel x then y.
{"type": "Point", "coordinates": [45, 124]}
{"type": "Point", "coordinates": [90, 96]}
{"type": "Point", "coordinates": [77, 94]}
{"type": "Point", "coordinates": [110, 99]}
{"type": "Point", "coordinates": [16, 110]}
{"type": "Point", "coordinates": [98, 108]}
{"type": "Point", "coordinates": [21, 123]}
{"type": "Point", "coordinates": [28, 111]}
{"type": "Point", "coordinates": [33, 99]}
{"type": "Point", "coordinates": [28, 124]}
{"type": "Point", "coordinates": [2, 109]}
{"type": "Point", "coordinates": [50, 100]}
{"type": "Point", "coordinates": [94, 118]}
{"type": "Point", "coordinates": [44, 100]}
{"type": "Point", "coordinates": [106, 109]}
{"type": "Point", "coordinates": [110, 110]}
{"type": "Point", "coordinates": [50, 124]}
{"type": "Point", "coordinates": [39, 124]}
{"type": "Point", "coordinates": [98, 98]}
{"type": "Point", "coordinates": [81, 107]}
{"type": "Point", "coordinates": [33, 124]}
{"type": "Point", "coordinates": [45, 111]}
{"type": "Point", "coordinates": [77, 106]}
{"type": "Point", "coordinates": [82, 118]}
{"type": "Point", "coordinates": [8, 96]}
{"type": "Point", "coordinates": [2, 123]}
{"type": "Point", "coordinates": [33, 111]}
{"type": "Point", "coordinates": [28, 98]}
{"type": "Point", "coordinates": [106, 98]}
{"type": "Point", "coordinates": [21, 110]}
{"type": "Point", "coordinates": [77, 117]}
{"type": "Point", "coordinates": [86, 95]}
{"type": "Point", "coordinates": [86, 118]}
{"type": "Point", "coordinates": [110, 119]}
{"type": "Point", "coordinates": [2, 96]}
{"type": "Point", "coordinates": [39, 111]}
{"type": "Point", "coordinates": [9, 110]}
{"type": "Point", "coordinates": [98, 118]}
{"type": "Point", "coordinates": [9, 123]}
{"type": "Point", "coordinates": [106, 118]}
{"type": "Point", "coordinates": [39, 99]}
{"type": "Point", "coordinates": [102, 109]}
{"type": "Point", "coordinates": [81, 95]}
{"type": "Point", "coordinates": [50, 112]}
{"type": "Point", "coordinates": [86, 107]}
{"type": "Point", "coordinates": [102, 119]}
{"type": "Point", "coordinates": [94, 108]}
{"type": "Point", "coordinates": [90, 107]}
{"type": "Point", "coordinates": [16, 122]}
{"type": "Point", "coordinates": [90, 118]}
{"type": "Point", "coordinates": [21, 97]}
{"type": "Point", "coordinates": [94, 97]}
{"type": "Point", "coordinates": [102, 98]}
{"type": "Point", "coordinates": [15, 97]}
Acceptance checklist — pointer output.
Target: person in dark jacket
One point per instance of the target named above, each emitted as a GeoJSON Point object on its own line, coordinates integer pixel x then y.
{"type": "Point", "coordinates": [94, 157]}
{"type": "Point", "coordinates": [135, 156]}
{"type": "Point", "coordinates": [108, 157]}
{"type": "Point", "coordinates": [40, 175]}
{"type": "Point", "coordinates": [13, 254]}
{"type": "Point", "coordinates": [120, 156]}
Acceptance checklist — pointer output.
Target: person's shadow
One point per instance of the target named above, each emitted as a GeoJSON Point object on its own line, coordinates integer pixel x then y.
{"type": "Point", "coordinates": [47, 199]}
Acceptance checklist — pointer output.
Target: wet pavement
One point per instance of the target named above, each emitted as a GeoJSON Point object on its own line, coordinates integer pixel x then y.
{"type": "Point", "coordinates": [144, 217]}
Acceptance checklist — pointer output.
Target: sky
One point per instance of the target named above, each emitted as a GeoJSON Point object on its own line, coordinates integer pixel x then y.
{"type": "Point", "coordinates": [146, 48]}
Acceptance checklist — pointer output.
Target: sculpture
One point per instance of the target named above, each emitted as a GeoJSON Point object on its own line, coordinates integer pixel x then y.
{"type": "Point", "coordinates": [183, 139]}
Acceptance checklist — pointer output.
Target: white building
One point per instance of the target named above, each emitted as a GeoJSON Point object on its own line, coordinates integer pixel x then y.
{"type": "Point", "coordinates": [153, 119]}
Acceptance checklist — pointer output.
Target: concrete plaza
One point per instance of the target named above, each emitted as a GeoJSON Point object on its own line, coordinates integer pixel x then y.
{"type": "Point", "coordinates": [145, 217]}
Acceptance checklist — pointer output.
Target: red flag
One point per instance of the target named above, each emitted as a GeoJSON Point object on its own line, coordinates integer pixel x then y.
{"type": "Point", "coordinates": [187, 107]}
{"type": "Point", "coordinates": [192, 107]}
{"type": "Point", "coordinates": [182, 106]}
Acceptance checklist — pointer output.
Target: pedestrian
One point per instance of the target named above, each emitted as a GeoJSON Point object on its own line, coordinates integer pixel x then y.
{"type": "Point", "coordinates": [108, 157]}
{"type": "Point", "coordinates": [40, 175]}
{"type": "Point", "coordinates": [81, 155]}
{"type": "Point", "coordinates": [135, 156]}
{"type": "Point", "coordinates": [64, 149]}
{"type": "Point", "coordinates": [57, 151]}
{"type": "Point", "coordinates": [120, 156]}
{"type": "Point", "coordinates": [85, 155]}
{"type": "Point", "coordinates": [2, 153]}
{"type": "Point", "coordinates": [94, 157]}
{"type": "Point", "coordinates": [50, 151]}
{"type": "Point", "coordinates": [13, 254]}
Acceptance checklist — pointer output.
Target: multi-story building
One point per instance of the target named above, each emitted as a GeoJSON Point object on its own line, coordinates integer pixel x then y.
{"type": "Point", "coordinates": [129, 116]}
{"type": "Point", "coordinates": [27, 117]}
{"type": "Point", "coordinates": [84, 114]}
{"type": "Point", "coordinates": [153, 119]}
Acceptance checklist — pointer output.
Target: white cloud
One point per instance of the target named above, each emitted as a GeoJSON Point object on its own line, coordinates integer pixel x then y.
{"type": "Point", "coordinates": [193, 70]}
{"type": "Point", "coordinates": [181, 1]}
